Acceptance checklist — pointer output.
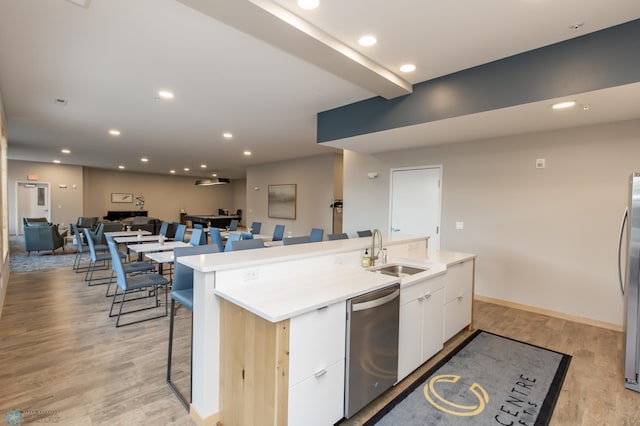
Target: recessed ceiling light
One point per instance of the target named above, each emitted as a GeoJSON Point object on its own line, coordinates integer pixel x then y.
{"type": "Point", "coordinates": [227, 135]}
{"type": "Point", "coordinates": [408, 68]}
{"type": "Point", "coordinates": [65, 151]}
{"type": "Point", "coordinates": [562, 105]}
{"type": "Point", "coordinates": [309, 4]}
{"type": "Point", "coordinates": [367, 40]}
{"type": "Point", "coordinates": [203, 166]}
{"type": "Point", "coordinates": [247, 153]}
{"type": "Point", "coordinates": [121, 167]}
{"type": "Point", "coordinates": [165, 94]}
{"type": "Point", "coordinates": [172, 171]}
{"type": "Point", "coordinates": [144, 159]}
{"type": "Point", "coordinates": [114, 132]}
{"type": "Point", "coordinates": [60, 101]}
{"type": "Point", "coordinates": [56, 161]}
{"type": "Point", "coordinates": [186, 169]}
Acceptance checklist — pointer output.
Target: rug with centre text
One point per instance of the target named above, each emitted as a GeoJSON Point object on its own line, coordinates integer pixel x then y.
{"type": "Point", "coordinates": [487, 380]}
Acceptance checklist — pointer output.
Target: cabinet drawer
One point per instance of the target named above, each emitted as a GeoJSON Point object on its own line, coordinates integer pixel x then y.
{"type": "Point", "coordinates": [457, 315]}
{"type": "Point", "coordinates": [420, 288]}
{"type": "Point", "coordinates": [318, 400]}
{"type": "Point", "coordinates": [459, 279]}
{"type": "Point", "coordinates": [316, 341]}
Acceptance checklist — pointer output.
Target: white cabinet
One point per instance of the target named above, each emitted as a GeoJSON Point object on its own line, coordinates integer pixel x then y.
{"type": "Point", "coordinates": [458, 298]}
{"type": "Point", "coordinates": [421, 322]}
{"type": "Point", "coordinates": [316, 366]}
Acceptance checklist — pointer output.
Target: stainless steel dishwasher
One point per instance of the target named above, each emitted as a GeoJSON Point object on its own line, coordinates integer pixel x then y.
{"type": "Point", "coordinates": [372, 346]}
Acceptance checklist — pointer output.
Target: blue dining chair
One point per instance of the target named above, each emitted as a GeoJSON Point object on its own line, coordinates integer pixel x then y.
{"type": "Point", "coordinates": [95, 257]}
{"type": "Point", "coordinates": [129, 267]}
{"type": "Point", "coordinates": [180, 232]}
{"type": "Point", "coordinates": [246, 236]}
{"type": "Point", "coordinates": [216, 238]}
{"type": "Point", "coordinates": [365, 233]}
{"type": "Point", "coordinates": [278, 233]}
{"type": "Point", "coordinates": [82, 249]}
{"type": "Point", "coordinates": [127, 284]}
{"type": "Point", "coordinates": [182, 292]}
{"type": "Point", "coordinates": [196, 237]}
{"type": "Point", "coordinates": [203, 235]}
{"type": "Point", "coordinates": [164, 228]}
{"type": "Point", "coordinates": [233, 226]}
{"type": "Point", "coordinates": [255, 227]}
{"type": "Point", "coordinates": [341, 236]}
{"type": "Point", "coordinates": [231, 238]}
{"type": "Point", "coordinates": [296, 240]}
{"type": "Point", "coordinates": [253, 243]}
{"type": "Point", "coordinates": [316, 235]}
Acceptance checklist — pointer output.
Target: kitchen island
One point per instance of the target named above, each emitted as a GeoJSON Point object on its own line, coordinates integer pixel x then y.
{"type": "Point", "coordinates": [269, 324]}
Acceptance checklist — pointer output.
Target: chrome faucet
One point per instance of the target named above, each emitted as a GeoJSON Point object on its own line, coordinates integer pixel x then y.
{"type": "Point", "coordinates": [374, 254]}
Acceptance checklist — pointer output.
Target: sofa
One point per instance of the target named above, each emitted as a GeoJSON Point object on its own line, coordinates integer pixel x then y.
{"type": "Point", "coordinates": [40, 235]}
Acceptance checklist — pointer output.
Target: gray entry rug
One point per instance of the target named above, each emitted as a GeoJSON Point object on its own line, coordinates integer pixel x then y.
{"type": "Point", "coordinates": [19, 261]}
{"type": "Point", "coordinates": [487, 380]}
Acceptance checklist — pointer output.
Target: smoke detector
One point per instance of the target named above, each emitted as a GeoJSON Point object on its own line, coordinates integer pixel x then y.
{"type": "Point", "coordinates": [576, 26]}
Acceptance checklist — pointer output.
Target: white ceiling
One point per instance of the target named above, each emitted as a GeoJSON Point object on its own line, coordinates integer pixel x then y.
{"type": "Point", "coordinates": [110, 59]}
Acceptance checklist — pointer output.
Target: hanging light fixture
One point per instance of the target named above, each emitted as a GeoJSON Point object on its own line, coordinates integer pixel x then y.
{"type": "Point", "coordinates": [214, 181]}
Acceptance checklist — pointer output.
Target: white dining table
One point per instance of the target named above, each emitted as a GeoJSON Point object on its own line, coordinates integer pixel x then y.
{"type": "Point", "coordinates": [161, 258]}
{"type": "Point", "coordinates": [136, 239]}
{"type": "Point", "coordinates": [127, 233]}
{"type": "Point", "coordinates": [144, 248]}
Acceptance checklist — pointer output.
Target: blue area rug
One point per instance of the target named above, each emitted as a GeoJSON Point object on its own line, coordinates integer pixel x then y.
{"type": "Point", "coordinates": [487, 380]}
{"type": "Point", "coordinates": [19, 261]}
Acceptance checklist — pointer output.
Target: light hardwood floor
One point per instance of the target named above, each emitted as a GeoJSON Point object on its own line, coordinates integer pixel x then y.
{"type": "Point", "coordinates": [59, 351]}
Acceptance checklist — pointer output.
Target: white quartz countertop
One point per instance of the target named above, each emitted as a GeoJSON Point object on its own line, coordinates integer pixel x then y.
{"type": "Point", "coordinates": [277, 300]}
{"type": "Point", "coordinates": [300, 290]}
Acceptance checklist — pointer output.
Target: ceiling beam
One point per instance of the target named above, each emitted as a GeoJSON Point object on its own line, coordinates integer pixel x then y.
{"type": "Point", "coordinates": [279, 27]}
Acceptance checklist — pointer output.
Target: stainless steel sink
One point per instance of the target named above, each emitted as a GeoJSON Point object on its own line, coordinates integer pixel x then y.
{"type": "Point", "coordinates": [398, 270]}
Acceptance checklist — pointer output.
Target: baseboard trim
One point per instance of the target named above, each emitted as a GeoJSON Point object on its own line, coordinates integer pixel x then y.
{"type": "Point", "coordinates": [199, 420]}
{"type": "Point", "coordinates": [548, 312]}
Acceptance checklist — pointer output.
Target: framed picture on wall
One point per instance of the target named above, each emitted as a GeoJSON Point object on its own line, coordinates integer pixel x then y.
{"type": "Point", "coordinates": [282, 201]}
{"type": "Point", "coordinates": [121, 197]}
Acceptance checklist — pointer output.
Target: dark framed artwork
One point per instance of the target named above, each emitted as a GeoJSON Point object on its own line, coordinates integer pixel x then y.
{"type": "Point", "coordinates": [282, 201]}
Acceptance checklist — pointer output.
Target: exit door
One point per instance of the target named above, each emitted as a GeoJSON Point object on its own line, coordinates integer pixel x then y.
{"type": "Point", "coordinates": [415, 202]}
{"type": "Point", "coordinates": [33, 201]}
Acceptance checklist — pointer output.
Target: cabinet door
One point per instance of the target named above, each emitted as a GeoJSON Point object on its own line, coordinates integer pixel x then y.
{"type": "Point", "coordinates": [316, 341]}
{"type": "Point", "coordinates": [319, 399]}
{"type": "Point", "coordinates": [457, 314]}
{"type": "Point", "coordinates": [459, 279]}
{"type": "Point", "coordinates": [410, 340]}
{"type": "Point", "coordinates": [432, 324]}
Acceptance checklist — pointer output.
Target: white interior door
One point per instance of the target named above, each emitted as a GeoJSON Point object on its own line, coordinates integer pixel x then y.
{"type": "Point", "coordinates": [33, 201]}
{"type": "Point", "coordinates": [415, 202]}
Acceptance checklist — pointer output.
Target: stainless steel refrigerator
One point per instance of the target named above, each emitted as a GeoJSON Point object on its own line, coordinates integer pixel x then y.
{"type": "Point", "coordinates": [629, 264]}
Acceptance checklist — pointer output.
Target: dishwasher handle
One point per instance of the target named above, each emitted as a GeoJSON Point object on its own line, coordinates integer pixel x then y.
{"type": "Point", "coordinates": [375, 303]}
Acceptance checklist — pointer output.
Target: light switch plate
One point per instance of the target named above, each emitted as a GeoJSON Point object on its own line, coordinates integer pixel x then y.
{"type": "Point", "coordinates": [459, 225]}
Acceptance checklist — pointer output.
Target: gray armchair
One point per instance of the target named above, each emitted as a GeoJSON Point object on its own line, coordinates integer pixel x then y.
{"type": "Point", "coordinates": [42, 236]}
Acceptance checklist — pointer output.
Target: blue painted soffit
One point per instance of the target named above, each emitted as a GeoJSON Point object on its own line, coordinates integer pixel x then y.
{"type": "Point", "coordinates": [599, 60]}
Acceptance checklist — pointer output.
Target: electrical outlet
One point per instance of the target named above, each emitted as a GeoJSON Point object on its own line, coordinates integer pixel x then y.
{"type": "Point", "coordinates": [251, 274]}
{"type": "Point", "coordinates": [540, 163]}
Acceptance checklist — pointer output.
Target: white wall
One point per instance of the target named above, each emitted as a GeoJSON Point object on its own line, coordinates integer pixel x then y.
{"type": "Point", "coordinates": [66, 203]}
{"type": "Point", "coordinates": [164, 195]}
{"type": "Point", "coordinates": [314, 177]}
{"type": "Point", "coordinates": [544, 237]}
